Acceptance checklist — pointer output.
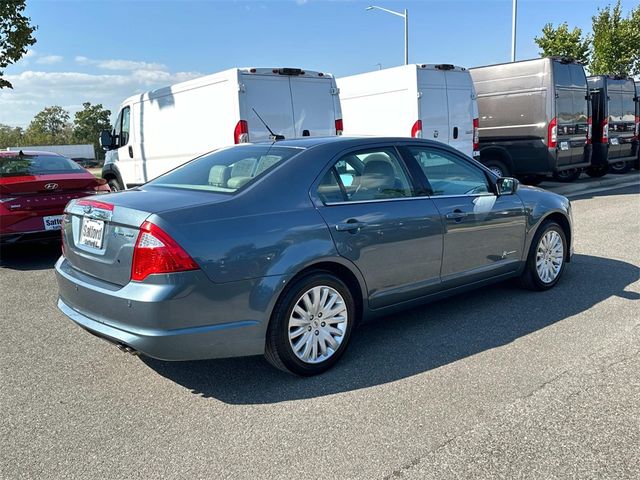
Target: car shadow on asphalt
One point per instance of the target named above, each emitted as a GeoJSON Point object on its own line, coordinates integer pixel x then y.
{"type": "Point", "coordinates": [415, 341]}
{"type": "Point", "coordinates": [30, 256]}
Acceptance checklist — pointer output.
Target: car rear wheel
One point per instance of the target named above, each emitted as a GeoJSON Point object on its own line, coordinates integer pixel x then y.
{"type": "Point", "coordinates": [497, 167]}
{"type": "Point", "coordinates": [567, 176]}
{"type": "Point", "coordinates": [597, 171]}
{"type": "Point", "coordinates": [311, 325]}
{"type": "Point", "coordinates": [620, 167]}
{"type": "Point", "coordinates": [546, 260]}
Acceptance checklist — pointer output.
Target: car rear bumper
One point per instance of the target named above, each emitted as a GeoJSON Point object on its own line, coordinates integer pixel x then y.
{"type": "Point", "coordinates": [188, 318]}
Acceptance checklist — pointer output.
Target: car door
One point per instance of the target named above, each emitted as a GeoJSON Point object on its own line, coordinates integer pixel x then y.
{"type": "Point", "coordinates": [484, 234]}
{"type": "Point", "coordinates": [379, 221]}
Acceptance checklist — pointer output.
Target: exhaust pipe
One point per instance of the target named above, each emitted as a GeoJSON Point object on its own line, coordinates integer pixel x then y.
{"type": "Point", "coordinates": [127, 349]}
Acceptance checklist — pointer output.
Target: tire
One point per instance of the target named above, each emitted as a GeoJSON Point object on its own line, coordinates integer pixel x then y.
{"type": "Point", "coordinates": [568, 176]}
{"type": "Point", "coordinates": [598, 171]}
{"type": "Point", "coordinates": [497, 167]}
{"type": "Point", "coordinates": [532, 278]}
{"type": "Point", "coordinates": [620, 167]}
{"type": "Point", "coordinates": [114, 185]}
{"type": "Point", "coordinates": [280, 351]}
{"type": "Point", "coordinates": [533, 180]}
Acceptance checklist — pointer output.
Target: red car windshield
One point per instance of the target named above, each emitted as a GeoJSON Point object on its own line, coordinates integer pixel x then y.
{"type": "Point", "coordinates": [21, 165]}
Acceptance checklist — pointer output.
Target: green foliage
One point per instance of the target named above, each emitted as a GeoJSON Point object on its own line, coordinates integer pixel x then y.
{"type": "Point", "coordinates": [10, 136]}
{"type": "Point", "coordinates": [49, 127]}
{"type": "Point", "coordinates": [561, 42]}
{"type": "Point", "coordinates": [16, 34]}
{"type": "Point", "coordinates": [88, 123]}
{"type": "Point", "coordinates": [616, 42]}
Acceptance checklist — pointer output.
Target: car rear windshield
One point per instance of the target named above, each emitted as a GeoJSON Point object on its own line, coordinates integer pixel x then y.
{"type": "Point", "coordinates": [19, 165]}
{"type": "Point", "coordinates": [226, 170]}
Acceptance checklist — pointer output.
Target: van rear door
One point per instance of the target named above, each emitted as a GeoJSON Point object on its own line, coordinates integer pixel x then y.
{"type": "Point", "coordinates": [572, 113]}
{"type": "Point", "coordinates": [434, 109]}
{"type": "Point", "coordinates": [314, 105]}
{"type": "Point", "coordinates": [270, 97]}
{"type": "Point", "coordinates": [460, 101]}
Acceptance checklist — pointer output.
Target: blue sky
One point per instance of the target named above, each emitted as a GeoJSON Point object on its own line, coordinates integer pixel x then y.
{"type": "Point", "coordinates": [102, 52]}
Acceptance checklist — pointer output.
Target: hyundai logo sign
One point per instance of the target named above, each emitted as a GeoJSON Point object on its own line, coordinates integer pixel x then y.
{"type": "Point", "coordinates": [51, 186]}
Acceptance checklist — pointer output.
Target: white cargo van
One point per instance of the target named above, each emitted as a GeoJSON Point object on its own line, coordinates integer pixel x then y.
{"type": "Point", "coordinates": [159, 130]}
{"type": "Point", "coordinates": [436, 102]}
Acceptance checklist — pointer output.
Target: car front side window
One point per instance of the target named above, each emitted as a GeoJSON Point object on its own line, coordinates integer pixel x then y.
{"type": "Point", "coordinates": [448, 174]}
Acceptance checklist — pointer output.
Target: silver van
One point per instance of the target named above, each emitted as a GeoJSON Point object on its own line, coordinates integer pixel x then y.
{"type": "Point", "coordinates": [534, 118]}
{"type": "Point", "coordinates": [615, 141]}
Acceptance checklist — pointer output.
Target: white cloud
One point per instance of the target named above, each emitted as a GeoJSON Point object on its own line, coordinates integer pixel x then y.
{"type": "Point", "coordinates": [49, 59]}
{"type": "Point", "coordinates": [34, 90]}
{"type": "Point", "coordinates": [123, 65]}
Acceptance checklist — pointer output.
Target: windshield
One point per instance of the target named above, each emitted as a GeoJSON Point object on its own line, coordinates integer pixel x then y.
{"type": "Point", "coordinates": [20, 165]}
{"type": "Point", "coordinates": [226, 170]}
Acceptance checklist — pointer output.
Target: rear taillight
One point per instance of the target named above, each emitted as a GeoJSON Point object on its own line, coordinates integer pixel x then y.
{"type": "Point", "coordinates": [241, 132]}
{"type": "Point", "coordinates": [339, 127]}
{"type": "Point", "coordinates": [156, 252]}
{"type": "Point", "coordinates": [476, 135]}
{"type": "Point", "coordinates": [416, 130]}
{"type": "Point", "coordinates": [605, 131]}
{"type": "Point", "coordinates": [552, 133]}
{"type": "Point", "coordinates": [64, 221]}
{"type": "Point", "coordinates": [589, 130]}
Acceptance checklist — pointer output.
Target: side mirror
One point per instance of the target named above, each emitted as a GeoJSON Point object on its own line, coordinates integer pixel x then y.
{"type": "Point", "coordinates": [106, 140]}
{"type": "Point", "coordinates": [507, 186]}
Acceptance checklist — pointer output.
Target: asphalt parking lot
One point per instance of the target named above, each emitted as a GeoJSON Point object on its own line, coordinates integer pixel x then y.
{"type": "Point", "coordinates": [500, 383]}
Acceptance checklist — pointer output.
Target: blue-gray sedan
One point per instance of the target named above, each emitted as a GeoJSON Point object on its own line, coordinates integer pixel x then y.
{"type": "Point", "coordinates": [281, 249]}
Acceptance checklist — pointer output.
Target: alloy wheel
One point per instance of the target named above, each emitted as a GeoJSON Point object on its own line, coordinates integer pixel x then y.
{"type": "Point", "coordinates": [549, 256]}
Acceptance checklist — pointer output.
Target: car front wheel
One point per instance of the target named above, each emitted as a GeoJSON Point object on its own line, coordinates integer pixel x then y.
{"type": "Point", "coordinates": [311, 325]}
{"type": "Point", "coordinates": [546, 260]}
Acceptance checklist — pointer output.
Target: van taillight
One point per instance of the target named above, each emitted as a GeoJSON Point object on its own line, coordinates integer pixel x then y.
{"type": "Point", "coordinates": [156, 252]}
{"type": "Point", "coordinates": [241, 132]}
{"type": "Point", "coordinates": [476, 135]}
{"type": "Point", "coordinates": [605, 131]}
{"type": "Point", "coordinates": [339, 127]}
{"type": "Point", "coordinates": [637, 135]}
{"type": "Point", "coordinates": [589, 130]}
{"type": "Point", "coordinates": [552, 134]}
{"type": "Point", "coordinates": [416, 130]}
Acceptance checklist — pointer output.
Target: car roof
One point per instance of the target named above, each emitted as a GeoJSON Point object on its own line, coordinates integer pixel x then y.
{"type": "Point", "coordinates": [13, 153]}
{"type": "Point", "coordinates": [308, 142]}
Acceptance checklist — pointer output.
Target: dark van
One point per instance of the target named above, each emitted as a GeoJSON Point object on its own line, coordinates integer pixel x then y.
{"type": "Point", "coordinates": [615, 140]}
{"type": "Point", "coordinates": [534, 118]}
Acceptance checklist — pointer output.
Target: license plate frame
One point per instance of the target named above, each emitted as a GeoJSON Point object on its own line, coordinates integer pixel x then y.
{"type": "Point", "coordinates": [52, 222]}
{"type": "Point", "coordinates": [91, 233]}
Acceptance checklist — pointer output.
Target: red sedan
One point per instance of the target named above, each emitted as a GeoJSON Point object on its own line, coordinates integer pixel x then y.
{"type": "Point", "coordinates": [34, 189]}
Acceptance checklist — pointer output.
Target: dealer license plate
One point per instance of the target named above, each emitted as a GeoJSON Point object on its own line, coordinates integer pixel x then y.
{"type": "Point", "coordinates": [614, 141]}
{"type": "Point", "coordinates": [92, 232]}
{"type": "Point", "coordinates": [54, 222]}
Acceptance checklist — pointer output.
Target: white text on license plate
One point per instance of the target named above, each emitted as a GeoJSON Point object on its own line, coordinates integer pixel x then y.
{"type": "Point", "coordinates": [54, 222]}
{"type": "Point", "coordinates": [92, 232]}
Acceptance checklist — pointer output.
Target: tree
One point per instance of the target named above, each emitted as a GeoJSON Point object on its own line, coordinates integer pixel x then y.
{"type": "Point", "coordinates": [88, 123]}
{"type": "Point", "coordinates": [10, 136]}
{"type": "Point", "coordinates": [16, 34]}
{"type": "Point", "coordinates": [616, 42]}
{"type": "Point", "coordinates": [49, 127]}
{"type": "Point", "coordinates": [561, 42]}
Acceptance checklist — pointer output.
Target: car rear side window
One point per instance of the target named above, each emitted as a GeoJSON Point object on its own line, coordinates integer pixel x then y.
{"type": "Point", "coordinates": [226, 170]}
{"type": "Point", "coordinates": [25, 164]}
{"type": "Point", "coordinates": [374, 174]}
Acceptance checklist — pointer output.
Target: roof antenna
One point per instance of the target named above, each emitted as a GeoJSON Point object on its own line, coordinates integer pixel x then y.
{"type": "Point", "coordinates": [21, 153]}
{"type": "Point", "coordinates": [274, 136]}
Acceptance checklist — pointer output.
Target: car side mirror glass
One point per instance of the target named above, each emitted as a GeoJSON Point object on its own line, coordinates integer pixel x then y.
{"type": "Point", "coordinates": [507, 185]}
{"type": "Point", "coordinates": [106, 140]}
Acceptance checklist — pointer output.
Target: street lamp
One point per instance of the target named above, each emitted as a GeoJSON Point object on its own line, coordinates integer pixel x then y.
{"type": "Point", "coordinates": [404, 15]}
{"type": "Point", "coordinates": [514, 19]}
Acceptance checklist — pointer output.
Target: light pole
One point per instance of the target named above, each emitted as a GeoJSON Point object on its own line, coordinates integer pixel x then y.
{"type": "Point", "coordinates": [404, 15]}
{"type": "Point", "coordinates": [513, 30]}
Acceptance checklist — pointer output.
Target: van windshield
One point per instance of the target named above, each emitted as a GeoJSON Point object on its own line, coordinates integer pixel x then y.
{"type": "Point", "coordinates": [226, 170]}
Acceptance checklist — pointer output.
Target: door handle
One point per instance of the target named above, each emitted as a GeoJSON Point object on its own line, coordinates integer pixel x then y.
{"type": "Point", "coordinates": [456, 215]}
{"type": "Point", "coordinates": [130, 151]}
{"type": "Point", "coordinates": [455, 133]}
{"type": "Point", "coordinates": [350, 226]}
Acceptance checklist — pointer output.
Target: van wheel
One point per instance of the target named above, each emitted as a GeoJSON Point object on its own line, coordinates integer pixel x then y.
{"type": "Point", "coordinates": [567, 176]}
{"type": "Point", "coordinates": [497, 167]}
{"type": "Point", "coordinates": [114, 185]}
{"type": "Point", "coordinates": [597, 171]}
{"type": "Point", "coordinates": [311, 325]}
{"type": "Point", "coordinates": [546, 260]}
{"type": "Point", "coordinates": [620, 167]}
